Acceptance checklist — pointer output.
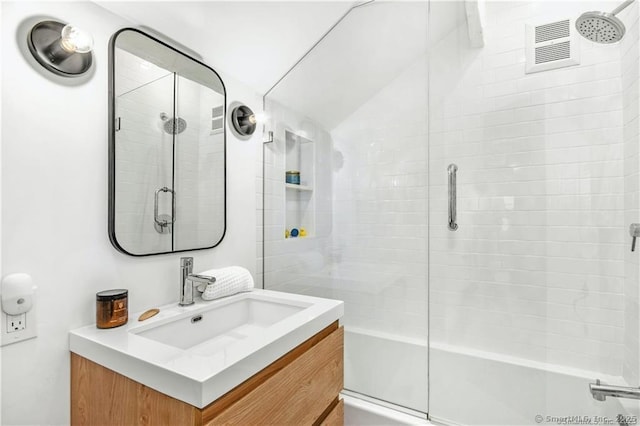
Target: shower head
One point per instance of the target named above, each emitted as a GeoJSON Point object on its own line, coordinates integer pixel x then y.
{"type": "Point", "coordinates": [602, 27]}
{"type": "Point", "coordinates": [173, 126]}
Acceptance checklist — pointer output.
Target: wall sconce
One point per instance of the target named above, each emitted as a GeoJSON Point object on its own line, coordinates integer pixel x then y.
{"type": "Point", "coordinates": [243, 120]}
{"type": "Point", "coordinates": [61, 48]}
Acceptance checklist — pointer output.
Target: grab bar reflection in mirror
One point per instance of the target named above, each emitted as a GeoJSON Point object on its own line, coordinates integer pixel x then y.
{"type": "Point", "coordinates": [163, 221]}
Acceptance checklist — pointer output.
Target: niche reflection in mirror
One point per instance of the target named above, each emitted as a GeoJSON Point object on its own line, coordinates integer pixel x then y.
{"type": "Point", "coordinates": [167, 149]}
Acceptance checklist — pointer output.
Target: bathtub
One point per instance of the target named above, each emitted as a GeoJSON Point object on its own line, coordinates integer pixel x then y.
{"type": "Point", "coordinates": [358, 412]}
{"type": "Point", "coordinates": [474, 387]}
{"type": "Point", "coordinates": [468, 387]}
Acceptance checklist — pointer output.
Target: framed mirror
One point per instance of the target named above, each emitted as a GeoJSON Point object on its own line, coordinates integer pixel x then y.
{"type": "Point", "coordinates": [167, 167]}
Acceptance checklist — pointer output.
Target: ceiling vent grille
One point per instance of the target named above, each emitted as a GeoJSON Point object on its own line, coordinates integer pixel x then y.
{"type": "Point", "coordinates": [552, 31]}
{"type": "Point", "coordinates": [551, 46]}
{"type": "Point", "coordinates": [553, 52]}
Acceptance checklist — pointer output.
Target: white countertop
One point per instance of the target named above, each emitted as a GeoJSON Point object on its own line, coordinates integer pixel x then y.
{"type": "Point", "coordinates": [196, 378]}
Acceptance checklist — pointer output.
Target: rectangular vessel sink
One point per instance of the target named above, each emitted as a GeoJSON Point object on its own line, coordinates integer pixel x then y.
{"type": "Point", "coordinates": [198, 353]}
{"type": "Point", "coordinates": [212, 330]}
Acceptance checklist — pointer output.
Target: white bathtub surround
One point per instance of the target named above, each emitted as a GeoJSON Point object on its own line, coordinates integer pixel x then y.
{"type": "Point", "coordinates": [359, 412]}
{"type": "Point", "coordinates": [400, 364]}
{"type": "Point", "coordinates": [485, 388]}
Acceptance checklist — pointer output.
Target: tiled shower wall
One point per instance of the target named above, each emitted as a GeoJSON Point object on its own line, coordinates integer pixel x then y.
{"type": "Point", "coordinates": [536, 268]}
{"type": "Point", "coordinates": [540, 268]}
{"type": "Point", "coordinates": [380, 208]}
{"type": "Point", "coordinates": [370, 247]}
{"type": "Point", "coordinates": [295, 264]}
{"type": "Point", "coordinates": [630, 53]}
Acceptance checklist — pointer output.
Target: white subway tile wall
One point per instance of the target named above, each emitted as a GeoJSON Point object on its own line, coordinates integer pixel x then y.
{"type": "Point", "coordinates": [540, 268]}
{"type": "Point", "coordinates": [536, 269]}
{"type": "Point", "coordinates": [630, 53]}
{"type": "Point", "coordinates": [369, 247]}
{"type": "Point", "coordinates": [380, 209]}
{"type": "Point", "coordinates": [295, 264]}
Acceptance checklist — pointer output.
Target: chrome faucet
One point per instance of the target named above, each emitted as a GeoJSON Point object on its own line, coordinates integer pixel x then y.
{"type": "Point", "coordinates": [187, 280]}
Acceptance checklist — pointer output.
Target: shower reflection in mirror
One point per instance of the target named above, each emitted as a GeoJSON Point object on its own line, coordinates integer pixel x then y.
{"type": "Point", "coordinates": [167, 165]}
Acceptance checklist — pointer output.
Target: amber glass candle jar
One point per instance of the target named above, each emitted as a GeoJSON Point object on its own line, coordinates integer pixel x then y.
{"type": "Point", "coordinates": [112, 308]}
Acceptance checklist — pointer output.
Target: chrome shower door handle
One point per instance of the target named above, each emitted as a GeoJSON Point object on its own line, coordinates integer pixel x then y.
{"type": "Point", "coordinates": [451, 171]}
{"type": "Point", "coordinates": [156, 217]}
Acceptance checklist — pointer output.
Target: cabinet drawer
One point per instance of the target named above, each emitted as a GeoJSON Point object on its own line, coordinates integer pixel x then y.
{"type": "Point", "coordinates": [298, 393]}
{"type": "Point", "coordinates": [298, 389]}
{"type": "Point", "coordinates": [335, 416]}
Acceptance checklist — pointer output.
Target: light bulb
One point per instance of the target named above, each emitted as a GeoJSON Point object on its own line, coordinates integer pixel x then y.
{"type": "Point", "coordinates": [74, 40]}
{"type": "Point", "coordinates": [252, 119]}
{"type": "Point", "coordinates": [261, 117]}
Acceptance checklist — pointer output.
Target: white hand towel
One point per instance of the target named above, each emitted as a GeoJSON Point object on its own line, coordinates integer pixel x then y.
{"type": "Point", "coordinates": [229, 281]}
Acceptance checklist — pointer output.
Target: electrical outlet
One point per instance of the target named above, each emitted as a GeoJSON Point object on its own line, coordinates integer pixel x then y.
{"type": "Point", "coordinates": [16, 323]}
{"type": "Point", "coordinates": [16, 328]}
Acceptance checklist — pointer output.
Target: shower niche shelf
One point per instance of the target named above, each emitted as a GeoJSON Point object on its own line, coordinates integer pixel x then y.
{"type": "Point", "coordinates": [298, 187]}
{"type": "Point", "coordinates": [299, 198]}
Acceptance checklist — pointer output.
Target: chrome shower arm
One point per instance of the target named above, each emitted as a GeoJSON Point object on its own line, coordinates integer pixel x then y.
{"type": "Point", "coordinates": [621, 7]}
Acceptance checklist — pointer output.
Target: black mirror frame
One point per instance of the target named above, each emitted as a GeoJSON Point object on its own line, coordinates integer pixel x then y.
{"type": "Point", "coordinates": [112, 145]}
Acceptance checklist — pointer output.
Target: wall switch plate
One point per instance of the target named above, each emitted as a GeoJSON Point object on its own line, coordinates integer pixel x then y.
{"type": "Point", "coordinates": [16, 328]}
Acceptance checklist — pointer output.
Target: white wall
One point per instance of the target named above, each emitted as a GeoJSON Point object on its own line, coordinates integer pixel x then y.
{"type": "Point", "coordinates": [536, 268]}
{"type": "Point", "coordinates": [54, 199]}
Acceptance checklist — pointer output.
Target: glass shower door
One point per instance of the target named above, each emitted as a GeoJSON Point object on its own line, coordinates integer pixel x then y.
{"type": "Point", "coordinates": [141, 138]}
{"type": "Point", "coordinates": [535, 295]}
{"type": "Point", "coordinates": [199, 165]}
{"type": "Point", "coordinates": [345, 193]}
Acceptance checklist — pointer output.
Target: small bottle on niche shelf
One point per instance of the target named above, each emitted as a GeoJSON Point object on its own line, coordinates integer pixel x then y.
{"type": "Point", "coordinates": [293, 177]}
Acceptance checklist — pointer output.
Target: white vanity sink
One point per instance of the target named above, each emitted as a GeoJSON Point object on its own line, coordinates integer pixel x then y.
{"type": "Point", "coordinates": [198, 353]}
{"type": "Point", "coordinates": [216, 326]}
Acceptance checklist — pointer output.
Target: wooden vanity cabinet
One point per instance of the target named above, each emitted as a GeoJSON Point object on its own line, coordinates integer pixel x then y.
{"type": "Point", "coordinates": [300, 388]}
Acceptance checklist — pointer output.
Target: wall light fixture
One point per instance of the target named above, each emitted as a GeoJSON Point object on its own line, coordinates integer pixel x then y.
{"type": "Point", "coordinates": [61, 48]}
{"type": "Point", "coordinates": [244, 120]}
